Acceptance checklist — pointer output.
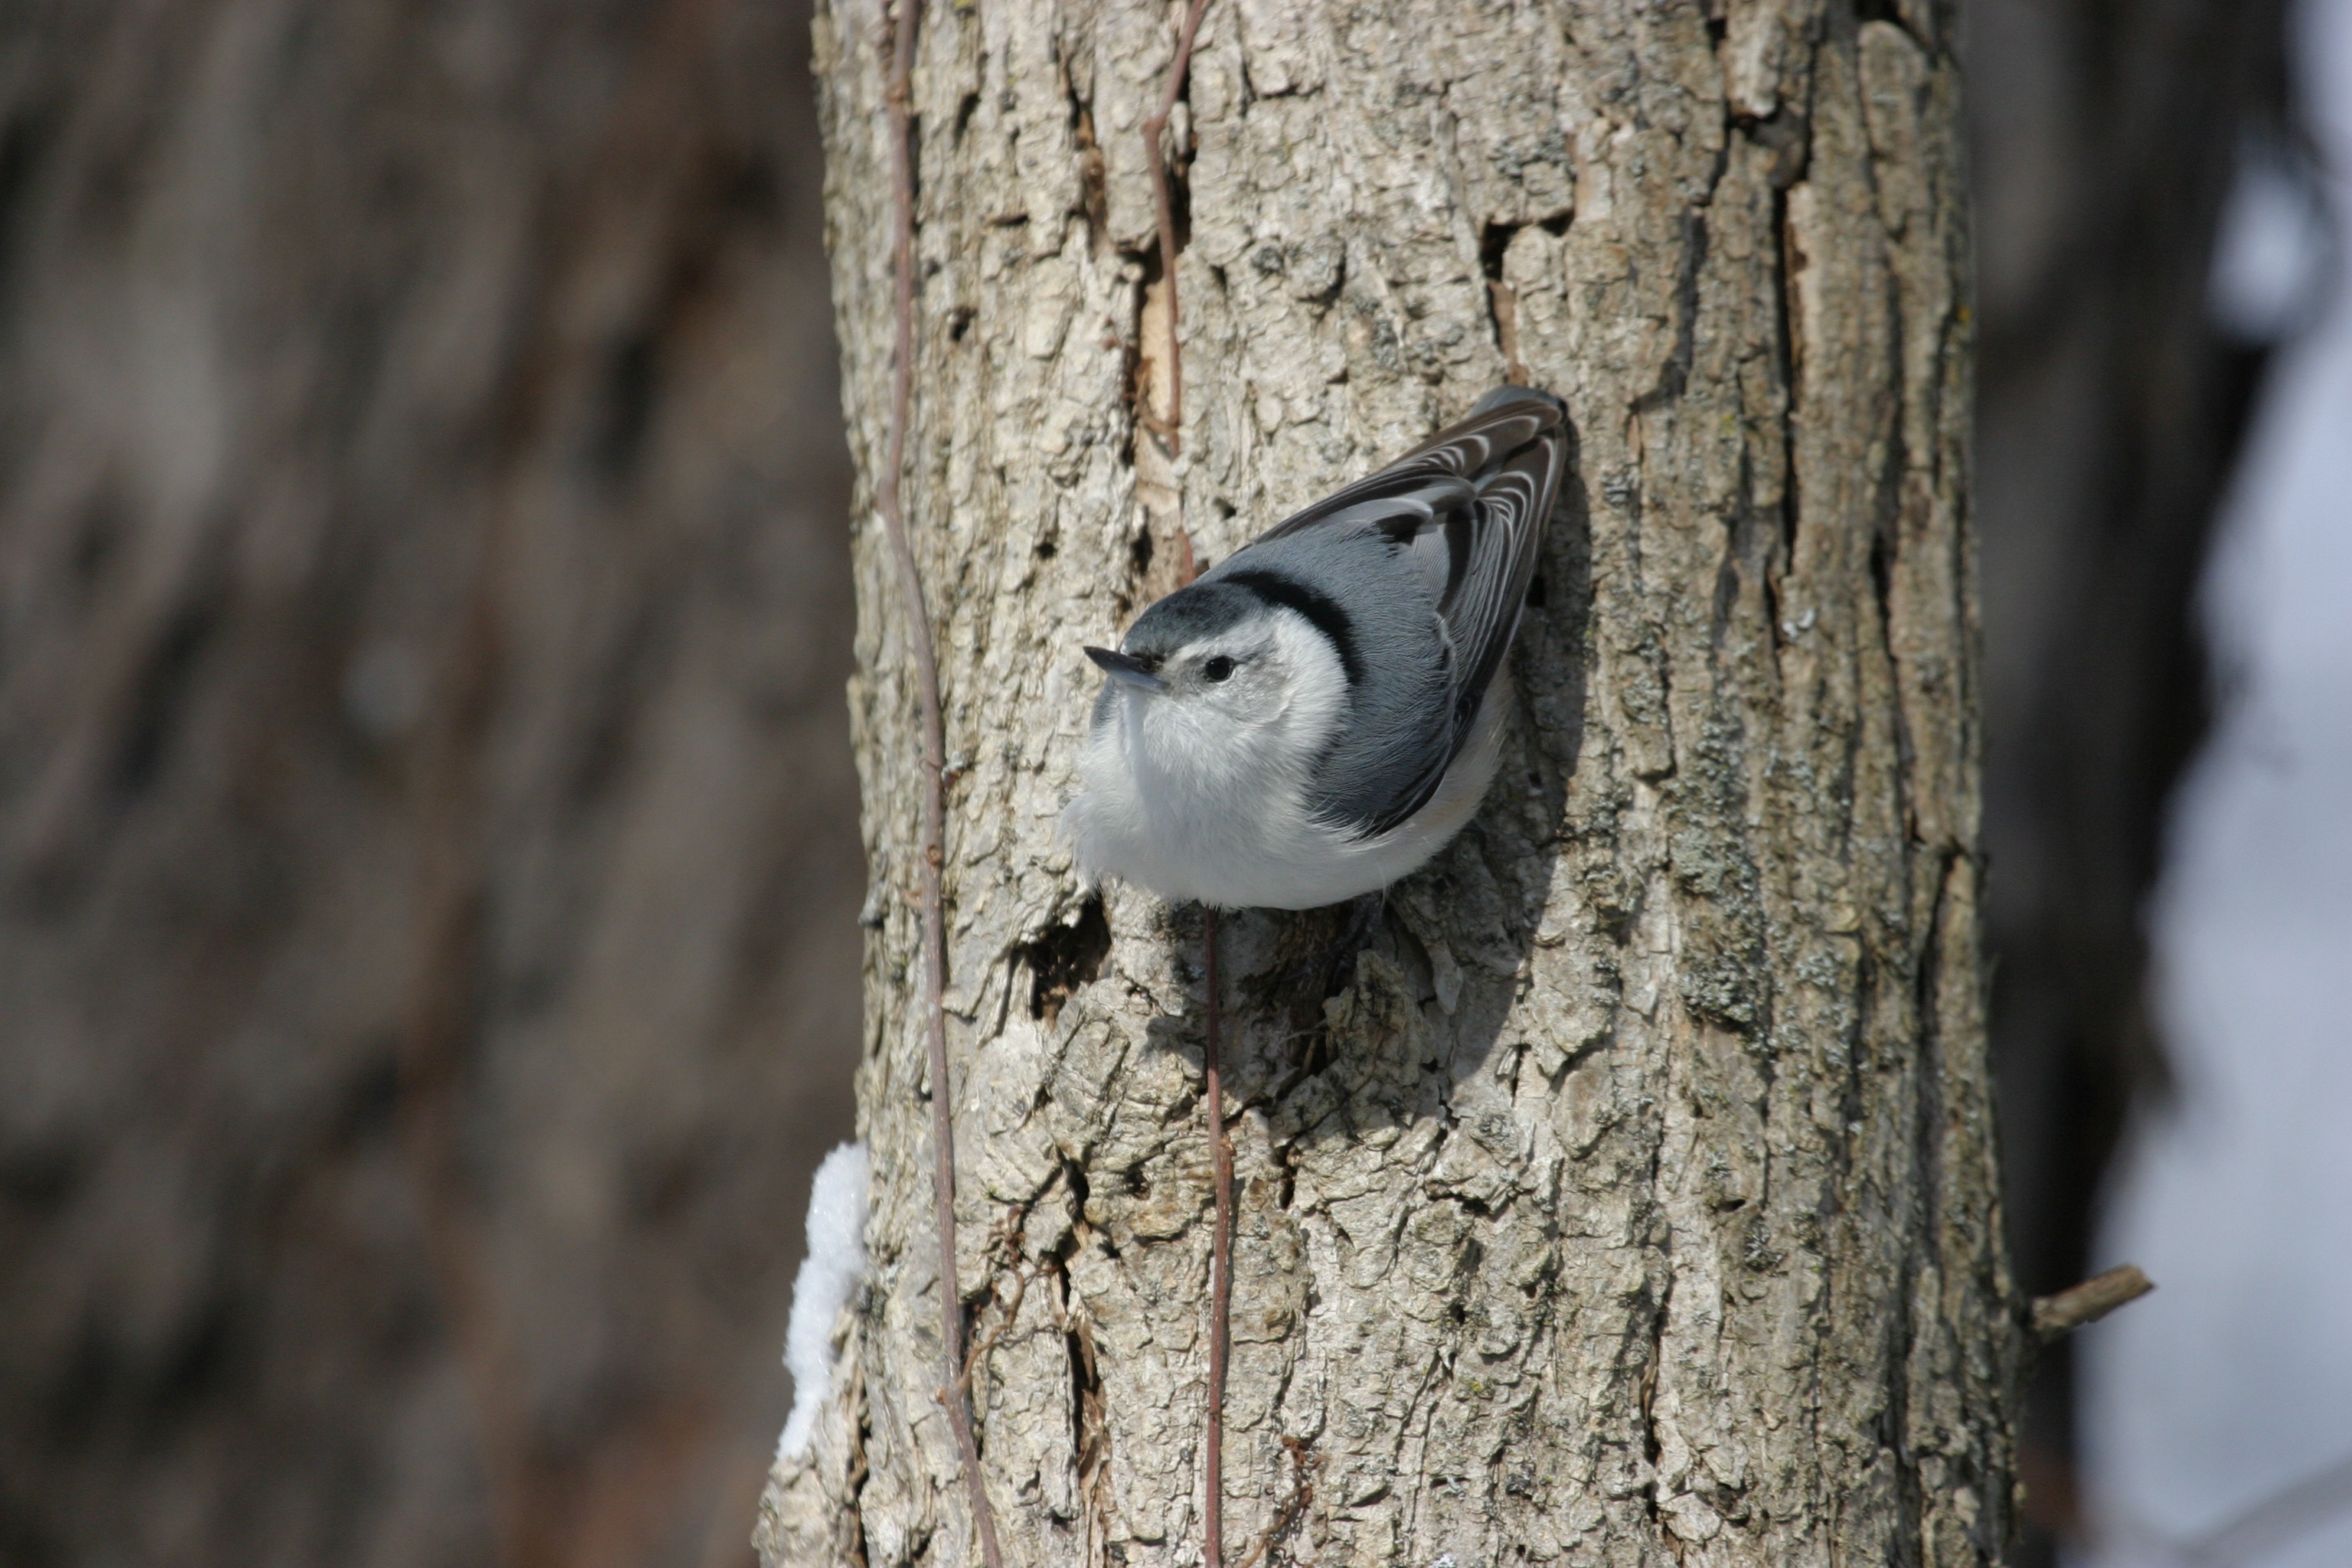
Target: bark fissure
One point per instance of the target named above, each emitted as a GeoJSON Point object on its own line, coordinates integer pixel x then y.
{"type": "Point", "coordinates": [1173, 196]}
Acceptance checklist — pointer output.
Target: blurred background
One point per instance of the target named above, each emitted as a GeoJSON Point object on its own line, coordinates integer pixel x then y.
{"type": "Point", "coordinates": [429, 866]}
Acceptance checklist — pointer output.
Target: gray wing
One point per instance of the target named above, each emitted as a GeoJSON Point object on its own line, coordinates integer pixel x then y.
{"type": "Point", "coordinates": [1469, 507]}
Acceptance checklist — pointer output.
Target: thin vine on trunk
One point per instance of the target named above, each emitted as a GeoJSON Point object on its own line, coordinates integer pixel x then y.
{"type": "Point", "coordinates": [955, 1381]}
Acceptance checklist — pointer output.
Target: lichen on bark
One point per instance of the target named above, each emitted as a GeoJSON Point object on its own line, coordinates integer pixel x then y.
{"type": "Point", "coordinates": [1634, 1200]}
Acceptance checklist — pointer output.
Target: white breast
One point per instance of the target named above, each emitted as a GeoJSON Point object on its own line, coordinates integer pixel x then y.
{"type": "Point", "coordinates": [1221, 816]}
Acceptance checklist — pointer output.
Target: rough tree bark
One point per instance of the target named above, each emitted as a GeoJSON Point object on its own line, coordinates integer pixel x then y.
{"type": "Point", "coordinates": [1636, 1201]}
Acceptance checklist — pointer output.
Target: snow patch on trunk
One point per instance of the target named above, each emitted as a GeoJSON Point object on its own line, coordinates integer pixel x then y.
{"type": "Point", "coordinates": [836, 1260]}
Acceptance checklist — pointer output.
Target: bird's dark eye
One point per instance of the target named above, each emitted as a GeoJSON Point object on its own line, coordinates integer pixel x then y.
{"type": "Point", "coordinates": [1217, 668]}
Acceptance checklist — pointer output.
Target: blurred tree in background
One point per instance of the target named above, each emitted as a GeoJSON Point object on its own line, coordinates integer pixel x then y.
{"type": "Point", "coordinates": [2109, 406]}
{"type": "Point", "coordinates": [428, 852]}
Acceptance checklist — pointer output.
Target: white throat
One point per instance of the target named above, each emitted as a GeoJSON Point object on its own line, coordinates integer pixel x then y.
{"type": "Point", "coordinates": [1209, 760]}
{"type": "Point", "coordinates": [1197, 800]}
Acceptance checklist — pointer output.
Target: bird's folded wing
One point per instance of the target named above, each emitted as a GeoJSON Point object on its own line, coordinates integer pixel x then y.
{"type": "Point", "coordinates": [1469, 505]}
{"type": "Point", "coordinates": [1485, 488]}
{"type": "Point", "coordinates": [1483, 600]}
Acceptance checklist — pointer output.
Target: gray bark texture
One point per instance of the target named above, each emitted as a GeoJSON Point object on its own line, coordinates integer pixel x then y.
{"type": "Point", "coordinates": [1634, 1201]}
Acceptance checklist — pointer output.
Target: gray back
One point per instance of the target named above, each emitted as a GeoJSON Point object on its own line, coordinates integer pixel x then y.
{"type": "Point", "coordinates": [1418, 574]}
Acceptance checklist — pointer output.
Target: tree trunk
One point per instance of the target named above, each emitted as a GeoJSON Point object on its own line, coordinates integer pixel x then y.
{"type": "Point", "coordinates": [1634, 1201]}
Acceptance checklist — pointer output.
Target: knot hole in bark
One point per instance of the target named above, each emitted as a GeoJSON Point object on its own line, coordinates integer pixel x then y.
{"type": "Point", "coordinates": [1064, 958]}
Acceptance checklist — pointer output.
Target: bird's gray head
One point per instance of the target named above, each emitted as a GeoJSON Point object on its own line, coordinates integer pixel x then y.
{"type": "Point", "coordinates": [1214, 645]}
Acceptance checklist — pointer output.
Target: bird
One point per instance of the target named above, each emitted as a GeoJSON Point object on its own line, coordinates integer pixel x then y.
{"type": "Point", "coordinates": [1318, 715]}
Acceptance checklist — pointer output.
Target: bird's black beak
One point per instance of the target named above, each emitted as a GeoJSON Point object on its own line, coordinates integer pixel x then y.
{"type": "Point", "coordinates": [1125, 666]}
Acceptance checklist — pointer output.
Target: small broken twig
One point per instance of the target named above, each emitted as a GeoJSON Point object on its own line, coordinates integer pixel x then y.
{"type": "Point", "coordinates": [955, 1388]}
{"type": "Point", "coordinates": [2056, 1317]}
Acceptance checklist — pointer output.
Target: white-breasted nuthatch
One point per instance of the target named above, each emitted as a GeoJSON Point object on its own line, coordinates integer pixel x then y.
{"type": "Point", "coordinates": [1315, 718]}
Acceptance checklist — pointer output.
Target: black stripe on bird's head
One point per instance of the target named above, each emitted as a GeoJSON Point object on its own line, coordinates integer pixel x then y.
{"type": "Point", "coordinates": [1322, 611]}
{"type": "Point", "coordinates": [1201, 633]}
{"type": "Point", "coordinates": [1210, 608]}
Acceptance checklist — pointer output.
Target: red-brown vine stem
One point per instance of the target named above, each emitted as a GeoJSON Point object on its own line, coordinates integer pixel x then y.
{"type": "Point", "coordinates": [1171, 421]}
{"type": "Point", "coordinates": [1220, 1260]}
{"type": "Point", "coordinates": [1173, 417]}
{"type": "Point", "coordinates": [954, 1389]}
